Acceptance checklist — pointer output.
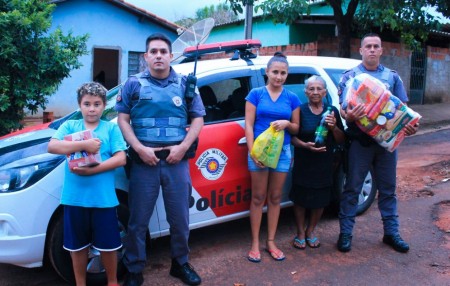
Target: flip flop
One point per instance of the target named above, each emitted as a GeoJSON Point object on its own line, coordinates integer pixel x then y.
{"type": "Point", "coordinates": [254, 256]}
{"type": "Point", "coordinates": [277, 255]}
{"type": "Point", "coordinates": [299, 243]}
{"type": "Point", "coordinates": [312, 241]}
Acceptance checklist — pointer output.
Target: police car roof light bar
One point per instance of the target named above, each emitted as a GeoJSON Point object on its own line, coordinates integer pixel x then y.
{"type": "Point", "coordinates": [230, 46]}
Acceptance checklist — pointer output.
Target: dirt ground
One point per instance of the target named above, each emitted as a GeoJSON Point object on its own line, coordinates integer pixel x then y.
{"type": "Point", "coordinates": [218, 252]}
{"type": "Point", "coordinates": [418, 172]}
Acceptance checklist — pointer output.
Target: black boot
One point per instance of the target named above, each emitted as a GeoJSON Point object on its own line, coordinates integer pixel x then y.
{"type": "Point", "coordinates": [396, 242]}
{"type": "Point", "coordinates": [133, 279]}
{"type": "Point", "coordinates": [344, 243]}
{"type": "Point", "coordinates": [185, 272]}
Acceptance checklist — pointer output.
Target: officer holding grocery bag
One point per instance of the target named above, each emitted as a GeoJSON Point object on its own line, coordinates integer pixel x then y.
{"type": "Point", "coordinates": [364, 152]}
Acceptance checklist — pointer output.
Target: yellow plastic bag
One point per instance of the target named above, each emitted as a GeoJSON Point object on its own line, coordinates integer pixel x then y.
{"type": "Point", "coordinates": [267, 147]}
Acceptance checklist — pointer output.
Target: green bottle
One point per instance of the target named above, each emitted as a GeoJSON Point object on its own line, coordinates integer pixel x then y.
{"type": "Point", "coordinates": [322, 130]}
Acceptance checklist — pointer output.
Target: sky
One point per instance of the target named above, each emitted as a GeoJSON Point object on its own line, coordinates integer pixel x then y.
{"type": "Point", "coordinates": [174, 10]}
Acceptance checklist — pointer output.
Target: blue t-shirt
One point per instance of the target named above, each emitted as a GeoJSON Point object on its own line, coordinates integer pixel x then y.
{"type": "Point", "coordinates": [268, 110]}
{"type": "Point", "coordinates": [97, 190]}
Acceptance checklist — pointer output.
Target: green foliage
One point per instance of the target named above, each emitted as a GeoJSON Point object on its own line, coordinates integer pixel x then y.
{"type": "Point", "coordinates": [220, 13]}
{"type": "Point", "coordinates": [284, 11]}
{"type": "Point", "coordinates": [34, 60]}
{"type": "Point", "coordinates": [407, 18]}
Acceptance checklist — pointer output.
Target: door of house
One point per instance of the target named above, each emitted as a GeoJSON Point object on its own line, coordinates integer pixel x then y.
{"type": "Point", "coordinates": [106, 67]}
{"type": "Point", "coordinates": [418, 76]}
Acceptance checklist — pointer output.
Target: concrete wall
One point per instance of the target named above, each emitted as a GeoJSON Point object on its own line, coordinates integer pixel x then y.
{"type": "Point", "coordinates": [438, 75]}
{"type": "Point", "coordinates": [397, 57]}
{"type": "Point", "coordinates": [262, 29]}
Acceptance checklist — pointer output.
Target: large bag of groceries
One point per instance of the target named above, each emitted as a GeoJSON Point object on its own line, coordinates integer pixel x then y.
{"type": "Point", "coordinates": [385, 115]}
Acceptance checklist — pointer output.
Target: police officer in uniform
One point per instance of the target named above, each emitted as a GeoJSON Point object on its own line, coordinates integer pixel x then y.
{"type": "Point", "coordinates": [153, 115]}
{"type": "Point", "coordinates": [364, 152]}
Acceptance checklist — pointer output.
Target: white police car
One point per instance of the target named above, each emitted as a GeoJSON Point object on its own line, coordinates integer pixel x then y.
{"type": "Point", "coordinates": [31, 179]}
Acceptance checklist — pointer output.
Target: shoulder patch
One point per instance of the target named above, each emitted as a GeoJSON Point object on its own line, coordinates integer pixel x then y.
{"type": "Point", "coordinates": [119, 95]}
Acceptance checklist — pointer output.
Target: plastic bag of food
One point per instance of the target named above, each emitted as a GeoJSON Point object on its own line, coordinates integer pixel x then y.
{"type": "Point", "coordinates": [267, 147]}
{"type": "Point", "coordinates": [385, 115]}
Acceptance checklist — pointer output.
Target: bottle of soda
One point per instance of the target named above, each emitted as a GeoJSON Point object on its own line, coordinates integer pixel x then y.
{"type": "Point", "coordinates": [322, 130]}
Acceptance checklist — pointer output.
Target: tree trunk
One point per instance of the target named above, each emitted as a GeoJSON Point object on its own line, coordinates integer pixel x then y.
{"type": "Point", "coordinates": [344, 37]}
{"type": "Point", "coordinates": [344, 23]}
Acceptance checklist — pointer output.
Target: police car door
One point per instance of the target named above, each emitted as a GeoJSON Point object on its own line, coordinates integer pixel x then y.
{"type": "Point", "coordinates": [220, 178]}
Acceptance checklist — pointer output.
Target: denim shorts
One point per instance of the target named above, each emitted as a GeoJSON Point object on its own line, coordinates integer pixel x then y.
{"type": "Point", "coordinates": [84, 227]}
{"type": "Point", "coordinates": [283, 166]}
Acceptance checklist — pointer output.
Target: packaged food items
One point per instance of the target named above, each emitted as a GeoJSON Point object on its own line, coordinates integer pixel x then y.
{"type": "Point", "coordinates": [385, 115]}
{"type": "Point", "coordinates": [83, 158]}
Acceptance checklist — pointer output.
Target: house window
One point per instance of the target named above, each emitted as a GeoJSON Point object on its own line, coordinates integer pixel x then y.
{"type": "Point", "coordinates": [136, 63]}
{"type": "Point", "coordinates": [106, 67]}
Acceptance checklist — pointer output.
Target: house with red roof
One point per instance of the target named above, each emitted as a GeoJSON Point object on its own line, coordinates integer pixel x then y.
{"type": "Point", "coordinates": [117, 33]}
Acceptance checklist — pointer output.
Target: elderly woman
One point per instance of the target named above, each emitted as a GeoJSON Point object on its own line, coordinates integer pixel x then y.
{"type": "Point", "coordinates": [312, 177]}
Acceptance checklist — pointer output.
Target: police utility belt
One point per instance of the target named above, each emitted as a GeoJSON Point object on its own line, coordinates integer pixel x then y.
{"type": "Point", "coordinates": [353, 133]}
{"type": "Point", "coordinates": [163, 154]}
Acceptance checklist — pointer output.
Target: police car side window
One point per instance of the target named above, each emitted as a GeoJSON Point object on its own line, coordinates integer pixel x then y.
{"type": "Point", "coordinates": [224, 99]}
{"type": "Point", "coordinates": [296, 83]}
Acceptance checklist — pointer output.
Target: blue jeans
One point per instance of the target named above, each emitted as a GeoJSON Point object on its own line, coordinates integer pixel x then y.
{"type": "Point", "coordinates": [145, 183]}
{"type": "Point", "coordinates": [384, 163]}
{"type": "Point", "coordinates": [283, 166]}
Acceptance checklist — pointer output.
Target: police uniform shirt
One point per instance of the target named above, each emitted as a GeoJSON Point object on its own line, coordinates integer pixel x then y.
{"type": "Point", "coordinates": [129, 93]}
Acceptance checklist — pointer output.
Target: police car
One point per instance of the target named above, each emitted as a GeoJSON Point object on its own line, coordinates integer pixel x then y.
{"type": "Point", "coordinates": [31, 179]}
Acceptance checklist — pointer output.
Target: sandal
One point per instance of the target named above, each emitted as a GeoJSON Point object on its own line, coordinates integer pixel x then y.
{"type": "Point", "coordinates": [277, 254]}
{"type": "Point", "coordinates": [299, 243]}
{"type": "Point", "coordinates": [312, 242]}
{"type": "Point", "coordinates": [254, 256]}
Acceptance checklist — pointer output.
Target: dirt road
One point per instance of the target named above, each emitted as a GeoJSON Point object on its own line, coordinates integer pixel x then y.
{"type": "Point", "coordinates": [218, 252]}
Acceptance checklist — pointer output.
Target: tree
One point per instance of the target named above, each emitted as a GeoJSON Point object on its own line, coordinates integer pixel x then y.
{"type": "Point", "coordinates": [407, 18]}
{"type": "Point", "coordinates": [220, 13]}
{"type": "Point", "coordinates": [34, 61]}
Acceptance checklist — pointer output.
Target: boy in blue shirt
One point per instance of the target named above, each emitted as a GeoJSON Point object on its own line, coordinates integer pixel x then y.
{"type": "Point", "coordinates": [88, 193]}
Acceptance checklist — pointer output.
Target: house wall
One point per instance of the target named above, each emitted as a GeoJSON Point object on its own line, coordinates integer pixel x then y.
{"type": "Point", "coordinates": [438, 75]}
{"type": "Point", "coordinates": [263, 30]}
{"type": "Point", "coordinates": [395, 56]}
{"type": "Point", "coordinates": [109, 27]}
{"type": "Point", "coordinates": [306, 33]}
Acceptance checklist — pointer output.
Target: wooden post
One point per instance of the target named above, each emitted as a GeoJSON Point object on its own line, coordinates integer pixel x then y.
{"type": "Point", "coordinates": [47, 117]}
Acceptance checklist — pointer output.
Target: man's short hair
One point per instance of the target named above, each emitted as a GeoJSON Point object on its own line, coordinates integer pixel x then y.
{"type": "Point", "coordinates": [158, 36]}
{"type": "Point", "coordinates": [369, 35]}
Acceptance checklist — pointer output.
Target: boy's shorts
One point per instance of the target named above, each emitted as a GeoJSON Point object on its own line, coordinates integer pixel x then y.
{"type": "Point", "coordinates": [283, 166]}
{"type": "Point", "coordinates": [84, 227]}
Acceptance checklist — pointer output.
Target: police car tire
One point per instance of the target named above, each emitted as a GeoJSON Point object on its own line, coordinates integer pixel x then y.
{"type": "Point", "coordinates": [369, 197]}
{"type": "Point", "coordinates": [369, 194]}
{"type": "Point", "coordinates": [60, 258]}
